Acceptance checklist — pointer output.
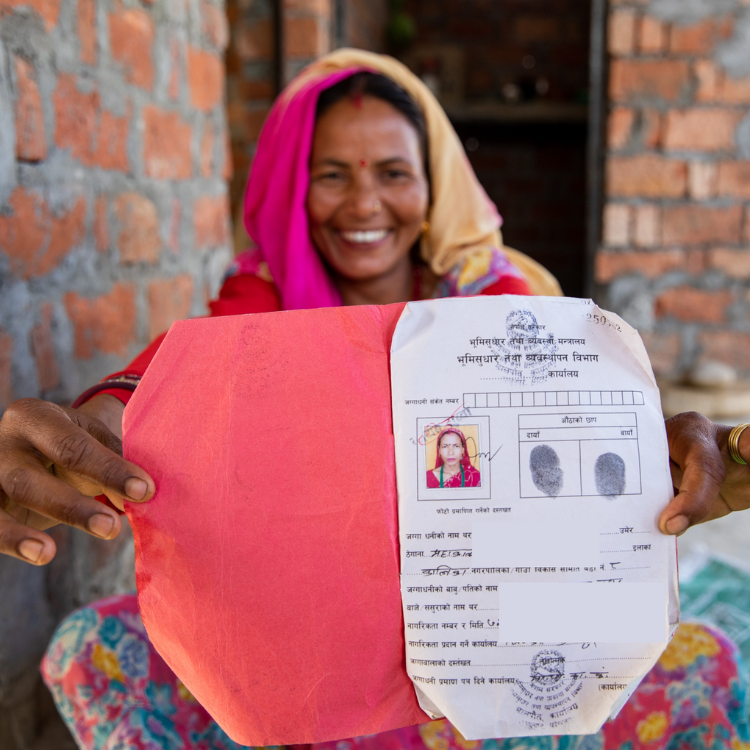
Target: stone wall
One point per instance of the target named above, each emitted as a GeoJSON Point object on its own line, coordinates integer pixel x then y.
{"type": "Point", "coordinates": [675, 260]}
{"type": "Point", "coordinates": [113, 223]}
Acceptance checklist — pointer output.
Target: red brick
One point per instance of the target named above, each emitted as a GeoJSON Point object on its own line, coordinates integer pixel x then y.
{"type": "Point", "coordinates": [255, 41]}
{"type": "Point", "coordinates": [734, 90]}
{"type": "Point", "coordinates": [646, 175]}
{"type": "Point", "coordinates": [168, 300]}
{"type": "Point", "coordinates": [214, 23]}
{"type": "Point", "coordinates": [36, 240]}
{"type": "Point", "coordinates": [254, 120]}
{"type": "Point", "coordinates": [701, 129]}
{"type": "Point", "coordinates": [709, 78]}
{"type": "Point", "coordinates": [256, 89]}
{"type": "Point", "coordinates": [652, 36]}
{"type": "Point", "coordinates": [734, 263]}
{"type": "Point", "coordinates": [43, 350]}
{"type": "Point", "coordinates": [651, 127]}
{"type": "Point", "coordinates": [734, 179]}
{"type": "Point", "coordinates": [211, 221]}
{"type": "Point", "coordinates": [112, 141]}
{"type": "Point", "coordinates": [620, 127]}
{"type": "Point", "coordinates": [610, 266]}
{"type": "Point", "coordinates": [636, 79]}
{"type": "Point", "coordinates": [318, 7]}
{"type": "Point", "coordinates": [702, 180]}
{"type": "Point", "coordinates": [6, 360]}
{"type": "Point", "coordinates": [49, 10]}
{"type": "Point", "coordinates": [67, 230]}
{"type": "Point", "coordinates": [205, 72]}
{"type": "Point", "coordinates": [621, 32]}
{"type": "Point", "coordinates": [696, 262]}
{"type": "Point", "coordinates": [536, 28]}
{"type": "Point", "coordinates": [138, 240]}
{"type": "Point", "coordinates": [647, 226]}
{"type": "Point", "coordinates": [173, 90]}
{"type": "Point", "coordinates": [663, 351]}
{"type": "Point", "coordinates": [616, 225]}
{"type": "Point", "coordinates": [101, 225]}
{"type": "Point", "coordinates": [76, 117]}
{"type": "Point", "coordinates": [731, 347]}
{"type": "Point", "coordinates": [131, 41]}
{"type": "Point", "coordinates": [31, 143]}
{"type": "Point", "coordinates": [207, 150]}
{"type": "Point", "coordinates": [695, 225]}
{"type": "Point", "coordinates": [697, 39]}
{"type": "Point", "coordinates": [87, 31]}
{"type": "Point", "coordinates": [691, 305]}
{"type": "Point", "coordinates": [307, 37]}
{"type": "Point", "coordinates": [226, 158]}
{"type": "Point", "coordinates": [166, 145]}
{"type": "Point", "coordinates": [105, 323]}
{"type": "Point", "coordinates": [94, 136]}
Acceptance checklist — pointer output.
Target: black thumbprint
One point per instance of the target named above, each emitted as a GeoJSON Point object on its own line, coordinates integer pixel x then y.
{"type": "Point", "coordinates": [609, 473]}
{"type": "Point", "coordinates": [545, 470]}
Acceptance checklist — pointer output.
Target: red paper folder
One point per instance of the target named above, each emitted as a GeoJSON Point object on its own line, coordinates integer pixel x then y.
{"type": "Point", "coordinates": [267, 563]}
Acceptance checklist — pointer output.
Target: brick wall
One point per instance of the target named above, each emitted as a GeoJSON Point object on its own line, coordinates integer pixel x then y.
{"type": "Point", "coordinates": [311, 28]}
{"type": "Point", "coordinates": [675, 259]}
{"type": "Point", "coordinates": [113, 222]}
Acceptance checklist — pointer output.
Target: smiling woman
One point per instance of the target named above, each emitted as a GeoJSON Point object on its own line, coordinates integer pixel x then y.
{"type": "Point", "coordinates": [369, 192]}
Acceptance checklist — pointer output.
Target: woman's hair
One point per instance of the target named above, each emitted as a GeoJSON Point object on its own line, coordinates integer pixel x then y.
{"type": "Point", "coordinates": [381, 87]}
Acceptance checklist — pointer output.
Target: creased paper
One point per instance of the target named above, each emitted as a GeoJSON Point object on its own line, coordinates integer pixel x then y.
{"type": "Point", "coordinates": [537, 588]}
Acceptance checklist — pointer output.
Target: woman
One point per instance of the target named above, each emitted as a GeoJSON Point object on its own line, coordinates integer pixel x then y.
{"type": "Point", "coordinates": [453, 467]}
{"type": "Point", "coordinates": [358, 194]}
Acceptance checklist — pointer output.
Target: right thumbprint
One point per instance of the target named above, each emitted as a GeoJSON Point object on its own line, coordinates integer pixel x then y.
{"type": "Point", "coordinates": [609, 474]}
{"type": "Point", "coordinates": [545, 470]}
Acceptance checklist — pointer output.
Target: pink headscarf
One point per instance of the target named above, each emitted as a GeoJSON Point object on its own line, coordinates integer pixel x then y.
{"type": "Point", "coordinates": [275, 212]}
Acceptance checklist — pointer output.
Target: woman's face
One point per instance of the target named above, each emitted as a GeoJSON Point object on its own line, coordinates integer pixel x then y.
{"type": "Point", "coordinates": [368, 194]}
{"type": "Point", "coordinates": [451, 450]}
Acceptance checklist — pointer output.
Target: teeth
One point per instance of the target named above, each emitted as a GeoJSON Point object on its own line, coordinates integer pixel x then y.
{"type": "Point", "coordinates": [365, 237]}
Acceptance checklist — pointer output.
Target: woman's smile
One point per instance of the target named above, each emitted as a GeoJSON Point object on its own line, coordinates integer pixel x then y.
{"type": "Point", "coordinates": [363, 239]}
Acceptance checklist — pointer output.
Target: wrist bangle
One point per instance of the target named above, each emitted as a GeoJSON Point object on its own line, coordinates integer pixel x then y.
{"type": "Point", "coordinates": [733, 443]}
{"type": "Point", "coordinates": [127, 382]}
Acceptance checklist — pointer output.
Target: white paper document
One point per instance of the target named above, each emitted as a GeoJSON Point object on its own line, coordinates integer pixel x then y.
{"type": "Point", "coordinates": [532, 466]}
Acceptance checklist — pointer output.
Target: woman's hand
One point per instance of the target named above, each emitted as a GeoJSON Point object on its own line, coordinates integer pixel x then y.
{"type": "Point", "coordinates": [53, 461]}
{"type": "Point", "coordinates": [708, 483]}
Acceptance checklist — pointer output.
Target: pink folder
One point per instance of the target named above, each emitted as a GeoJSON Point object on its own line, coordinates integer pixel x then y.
{"type": "Point", "coordinates": [267, 563]}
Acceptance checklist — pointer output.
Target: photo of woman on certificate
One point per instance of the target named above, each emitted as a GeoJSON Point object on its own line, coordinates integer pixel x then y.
{"type": "Point", "coordinates": [453, 462]}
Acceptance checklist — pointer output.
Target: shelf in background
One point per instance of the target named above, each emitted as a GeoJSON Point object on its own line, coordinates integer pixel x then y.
{"type": "Point", "coordinates": [531, 112]}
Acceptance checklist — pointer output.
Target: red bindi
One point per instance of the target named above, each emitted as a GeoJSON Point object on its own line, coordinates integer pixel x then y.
{"type": "Point", "coordinates": [363, 163]}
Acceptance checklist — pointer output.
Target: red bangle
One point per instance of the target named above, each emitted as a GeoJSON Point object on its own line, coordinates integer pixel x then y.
{"type": "Point", "coordinates": [128, 382]}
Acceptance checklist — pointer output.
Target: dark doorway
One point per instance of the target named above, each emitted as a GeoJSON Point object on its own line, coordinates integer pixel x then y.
{"type": "Point", "coordinates": [535, 175]}
{"type": "Point", "coordinates": [513, 76]}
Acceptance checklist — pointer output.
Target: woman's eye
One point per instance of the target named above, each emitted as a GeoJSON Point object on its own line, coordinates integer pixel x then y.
{"type": "Point", "coordinates": [396, 174]}
{"type": "Point", "coordinates": [331, 177]}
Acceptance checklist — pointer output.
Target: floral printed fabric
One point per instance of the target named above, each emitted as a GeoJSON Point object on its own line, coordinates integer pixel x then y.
{"type": "Point", "coordinates": [116, 693]}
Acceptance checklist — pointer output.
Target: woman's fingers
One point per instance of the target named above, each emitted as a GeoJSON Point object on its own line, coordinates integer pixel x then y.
{"type": "Point", "coordinates": [77, 444]}
{"type": "Point", "coordinates": [29, 486]}
{"type": "Point", "coordinates": [694, 448]}
{"type": "Point", "coordinates": [29, 545]}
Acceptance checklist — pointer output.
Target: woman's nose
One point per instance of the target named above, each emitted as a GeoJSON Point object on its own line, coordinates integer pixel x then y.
{"type": "Point", "coordinates": [363, 201]}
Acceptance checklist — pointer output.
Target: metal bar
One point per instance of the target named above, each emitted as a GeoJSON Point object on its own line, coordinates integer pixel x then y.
{"type": "Point", "coordinates": [598, 70]}
{"type": "Point", "coordinates": [278, 46]}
